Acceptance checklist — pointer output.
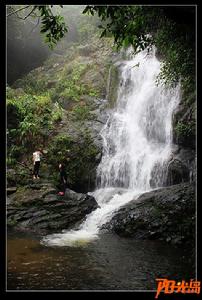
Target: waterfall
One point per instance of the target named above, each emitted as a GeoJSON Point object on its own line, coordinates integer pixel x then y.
{"type": "Point", "coordinates": [137, 144]}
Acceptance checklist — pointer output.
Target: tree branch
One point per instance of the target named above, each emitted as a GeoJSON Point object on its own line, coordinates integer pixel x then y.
{"type": "Point", "coordinates": [14, 12]}
{"type": "Point", "coordinates": [29, 13]}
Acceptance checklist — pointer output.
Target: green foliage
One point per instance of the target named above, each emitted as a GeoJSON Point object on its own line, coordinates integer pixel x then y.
{"type": "Point", "coordinates": [32, 118]}
{"type": "Point", "coordinates": [10, 161]}
{"type": "Point", "coordinates": [127, 24]}
{"type": "Point", "coordinates": [170, 29]}
{"type": "Point", "coordinates": [81, 113]}
{"type": "Point", "coordinates": [70, 87]}
{"type": "Point", "coordinates": [73, 91]}
{"type": "Point", "coordinates": [53, 26]}
{"type": "Point", "coordinates": [178, 55]}
{"type": "Point", "coordinates": [93, 92]}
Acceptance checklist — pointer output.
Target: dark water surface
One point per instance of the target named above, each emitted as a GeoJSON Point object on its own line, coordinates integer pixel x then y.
{"type": "Point", "coordinates": [109, 263]}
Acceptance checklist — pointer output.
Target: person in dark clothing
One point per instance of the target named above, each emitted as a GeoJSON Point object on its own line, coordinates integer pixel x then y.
{"type": "Point", "coordinates": [63, 179]}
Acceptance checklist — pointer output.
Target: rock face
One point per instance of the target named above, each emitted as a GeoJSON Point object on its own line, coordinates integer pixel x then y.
{"type": "Point", "coordinates": [38, 208]}
{"type": "Point", "coordinates": [177, 172]}
{"type": "Point", "coordinates": [184, 130]}
{"type": "Point", "coordinates": [184, 123]}
{"type": "Point", "coordinates": [167, 214]}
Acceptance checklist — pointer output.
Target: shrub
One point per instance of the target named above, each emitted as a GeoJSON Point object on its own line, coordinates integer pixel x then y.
{"type": "Point", "coordinates": [30, 118]}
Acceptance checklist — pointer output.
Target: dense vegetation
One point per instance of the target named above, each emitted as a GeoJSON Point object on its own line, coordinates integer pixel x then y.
{"type": "Point", "coordinates": [51, 105]}
{"type": "Point", "coordinates": [30, 120]}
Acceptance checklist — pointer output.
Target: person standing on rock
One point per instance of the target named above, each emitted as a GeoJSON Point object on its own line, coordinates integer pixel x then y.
{"type": "Point", "coordinates": [36, 161]}
{"type": "Point", "coordinates": [63, 179]}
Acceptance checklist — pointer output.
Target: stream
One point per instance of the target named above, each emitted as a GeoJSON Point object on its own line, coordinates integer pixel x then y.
{"type": "Point", "coordinates": [107, 263]}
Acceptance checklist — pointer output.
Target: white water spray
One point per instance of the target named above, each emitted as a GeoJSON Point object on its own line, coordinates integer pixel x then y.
{"type": "Point", "coordinates": [137, 143]}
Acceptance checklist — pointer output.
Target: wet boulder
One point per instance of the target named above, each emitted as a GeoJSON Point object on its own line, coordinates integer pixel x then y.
{"type": "Point", "coordinates": [37, 207]}
{"type": "Point", "coordinates": [166, 214]}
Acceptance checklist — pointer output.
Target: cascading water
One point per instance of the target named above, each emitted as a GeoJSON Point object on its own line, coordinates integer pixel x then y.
{"type": "Point", "coordinates": [137, 144]}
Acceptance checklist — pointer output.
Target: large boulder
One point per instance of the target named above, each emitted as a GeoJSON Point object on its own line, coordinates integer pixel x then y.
{"type": "Point", "coordinates": [37, 207]}
{"type": "Point", "coordinates": [166, 214]}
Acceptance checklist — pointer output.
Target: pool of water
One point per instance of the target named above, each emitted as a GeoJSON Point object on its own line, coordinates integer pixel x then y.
{"type": "Point", "coordinates": [107, 263]}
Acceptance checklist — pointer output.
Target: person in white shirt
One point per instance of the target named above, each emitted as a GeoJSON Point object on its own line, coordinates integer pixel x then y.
{"type": "Point", "coordinates": [36, 161]}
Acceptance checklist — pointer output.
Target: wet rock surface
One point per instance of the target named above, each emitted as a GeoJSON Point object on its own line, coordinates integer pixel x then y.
{"type": "Point", "coordinates": [177, 172]}
{"type": "Point", "coordinates": [37, 207]}
{"type": "Point", "coordinates": [166, 214]}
